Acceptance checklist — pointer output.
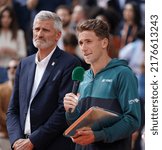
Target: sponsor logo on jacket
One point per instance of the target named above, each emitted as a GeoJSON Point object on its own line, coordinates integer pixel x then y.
{"type": "Point", "coordinates": [106, 80]}
{"type": "Point", "coordinates": [132, 101]}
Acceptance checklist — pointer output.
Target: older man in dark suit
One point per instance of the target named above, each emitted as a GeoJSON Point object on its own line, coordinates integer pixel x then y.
{"type": "Point", "coordinates": [36, 116]}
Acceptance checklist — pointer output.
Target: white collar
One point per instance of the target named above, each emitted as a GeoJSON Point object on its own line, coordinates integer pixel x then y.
{"type": "Point", "coordinates": [45, 60]}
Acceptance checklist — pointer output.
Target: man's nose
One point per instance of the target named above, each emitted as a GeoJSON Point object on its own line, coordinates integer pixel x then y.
{"type": "Point", "coordinates": [83, 48]}
{"type": "Point", "coordinates": [40, 33]}
{"type": "Point", "coordinates": [82, 45]}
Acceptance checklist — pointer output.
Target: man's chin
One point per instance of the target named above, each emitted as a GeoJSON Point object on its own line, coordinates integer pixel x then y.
{"type": "Point", "coordinates": [87, 61]}
{"type": "Point", "coordinates": [40, 46]}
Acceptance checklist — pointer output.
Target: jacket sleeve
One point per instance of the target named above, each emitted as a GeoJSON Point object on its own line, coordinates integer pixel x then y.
{"type": "Point", "coordinates": [13, 120]}
{"type": "Point", "coordinates": [72, 117]}
{"type": "Point", "coordinates": [127, 94]}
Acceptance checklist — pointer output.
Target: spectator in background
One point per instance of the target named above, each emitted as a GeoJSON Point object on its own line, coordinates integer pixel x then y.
{"type": "Point", "coordinates": [70, 42]}
{"type": "Point", "coordinates": [118, 5]}
{"type": "Point", "coordinates": [89, 3]}
{"type": "Point", "coordinates": [131, 23]}
{"type": "Point", "coordinates": [134, 52]}
{"type": "Point", "coordinates": [3, 3]}
{"type": "Point", "coordinates": [12, 40]}
{"type": "Point", "coordinates": [137, 136]}
{"type": "Point", "coordinates": [16, 5]}
{"type": "Point", "coordinates": [64, 12]}
{"type": "Point", "coordinates": [112, 18]}
{"type": "Point", "coordinates": [23, 16]}
{"type": "Point", "coordinates": [5, 94]}
{"type": "Point", "coordinates": [79, 14]}
{"type": "Point", "coordinates": [50, 5]}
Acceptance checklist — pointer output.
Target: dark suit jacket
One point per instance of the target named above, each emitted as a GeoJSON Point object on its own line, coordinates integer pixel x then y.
{"type": "Point", "coordinates": [47, 113]}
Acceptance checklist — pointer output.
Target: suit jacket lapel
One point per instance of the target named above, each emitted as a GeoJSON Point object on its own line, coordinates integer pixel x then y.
{"type": "Point", "coordinates": [31, 75]}
{"type": "Point", "coordinates": [49, 68]}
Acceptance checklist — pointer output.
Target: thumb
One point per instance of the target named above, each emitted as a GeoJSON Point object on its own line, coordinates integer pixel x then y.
{"type": "Point", "coordinates": [78, 95]}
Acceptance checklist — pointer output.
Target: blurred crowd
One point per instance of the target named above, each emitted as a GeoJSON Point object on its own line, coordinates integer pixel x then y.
{"type": "Point", "coordinates": [126, 19]}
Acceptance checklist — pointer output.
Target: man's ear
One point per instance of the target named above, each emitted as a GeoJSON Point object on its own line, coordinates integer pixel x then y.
{"type": "Point", "coordinates": [105, 43]}
{"type": "Point", "coordinates": [58, 35]}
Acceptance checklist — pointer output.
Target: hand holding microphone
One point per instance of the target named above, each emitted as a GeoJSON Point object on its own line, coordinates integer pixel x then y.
{"type": "Point", "coordinates": [71, 99]}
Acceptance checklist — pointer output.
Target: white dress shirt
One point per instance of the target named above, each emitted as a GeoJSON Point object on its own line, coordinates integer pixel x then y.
{"type": "Point", "coordinates": [40, 69]}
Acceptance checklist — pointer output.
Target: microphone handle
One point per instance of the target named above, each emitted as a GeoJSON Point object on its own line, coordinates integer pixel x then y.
{"type": "Point", "coordinates": [75, 87]}
{"type": "Point", "coordinates": [74, 90]}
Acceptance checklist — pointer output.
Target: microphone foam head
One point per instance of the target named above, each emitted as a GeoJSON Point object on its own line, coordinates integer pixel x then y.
{"type": "Point", "coordinates": [77, 74]}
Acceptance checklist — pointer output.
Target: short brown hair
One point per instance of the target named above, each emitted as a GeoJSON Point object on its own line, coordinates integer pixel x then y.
{"type": "Point", "coordinates": [100, 27]}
